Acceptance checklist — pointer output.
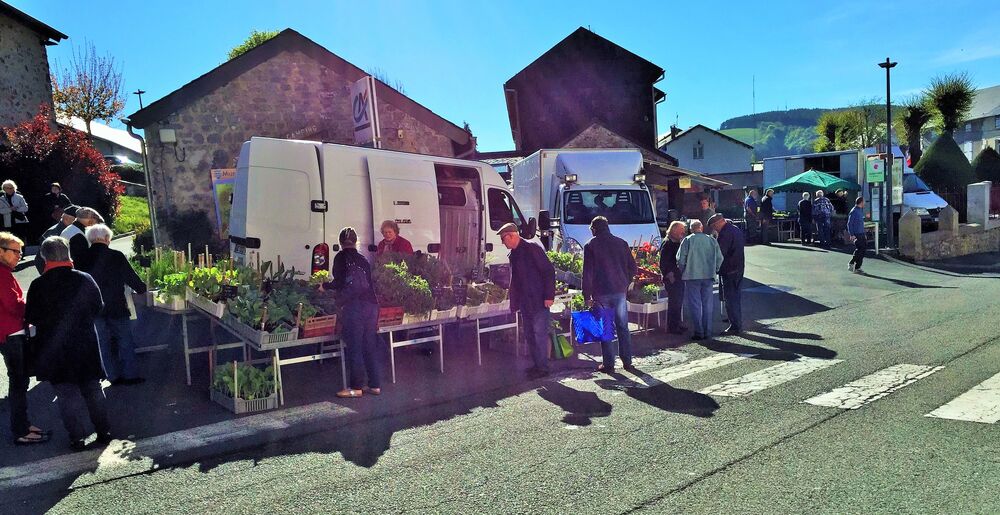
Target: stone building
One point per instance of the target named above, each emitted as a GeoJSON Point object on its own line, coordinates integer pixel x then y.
{"type": "Point", "coordinates": [287, 87]}
{"type": "Point", "coordinates": [715, 154]}
{"type": "Point", "coordinates": [24, 65]}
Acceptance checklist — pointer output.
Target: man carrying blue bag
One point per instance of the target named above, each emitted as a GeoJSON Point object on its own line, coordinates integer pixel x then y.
{"type": "Point", "coordinates": [608, 270]}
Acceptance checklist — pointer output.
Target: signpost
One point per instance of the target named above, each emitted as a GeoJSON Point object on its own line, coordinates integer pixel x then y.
{"type": "Point", "coordinates": [897, 182]}
{"type": "Point", "coordinates": [364, 109]}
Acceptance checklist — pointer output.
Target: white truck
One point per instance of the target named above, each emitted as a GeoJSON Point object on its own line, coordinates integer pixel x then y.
{"type": "Point", "coordinates": [566, 188]}
{"type": "Point", "coordinates": [291, 199]}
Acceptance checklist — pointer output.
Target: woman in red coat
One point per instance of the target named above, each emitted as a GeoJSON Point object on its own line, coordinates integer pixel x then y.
{"type": "Point", "coordinates": [392, 241]}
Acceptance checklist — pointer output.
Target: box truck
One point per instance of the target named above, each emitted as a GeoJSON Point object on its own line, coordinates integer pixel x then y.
{"type": "Point", "coordinates": [291, 199]}
{"type": "Point", "coordinates": [566, 188]}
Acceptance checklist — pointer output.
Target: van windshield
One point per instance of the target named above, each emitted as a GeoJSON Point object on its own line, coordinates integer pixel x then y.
{"type": "Point", "coordinates": [913, 184]}
{"type": "Point", "coordinates": [618, 206]}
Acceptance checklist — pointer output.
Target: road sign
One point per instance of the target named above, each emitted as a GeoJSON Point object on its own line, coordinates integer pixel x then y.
{"type": "Point", "coordinates": [875, 170]}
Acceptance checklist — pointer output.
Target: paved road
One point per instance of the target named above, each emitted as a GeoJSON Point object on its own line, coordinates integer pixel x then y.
{"type": "Point", "coordinates": [824, 408]}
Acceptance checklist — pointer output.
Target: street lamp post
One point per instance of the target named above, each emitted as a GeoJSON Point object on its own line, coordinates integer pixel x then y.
{"type": "Point", "coordinates": [888, 65]}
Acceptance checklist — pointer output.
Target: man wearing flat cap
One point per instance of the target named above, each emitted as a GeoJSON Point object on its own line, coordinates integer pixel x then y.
{"type": "Point", "coordinates": [532, 291]}
{"type": "Point", "coordinates": [731, 242]}
{"type": "Point", "coordinates": [65, 220]}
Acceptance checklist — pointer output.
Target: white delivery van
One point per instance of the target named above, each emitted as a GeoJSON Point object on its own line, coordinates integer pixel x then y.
{"type": "Point", "coordinates": [292, 198]}
{"type": "Point", "coordinates": [566, 188]}
{"type": "Point", "coordinates": [917, 196]}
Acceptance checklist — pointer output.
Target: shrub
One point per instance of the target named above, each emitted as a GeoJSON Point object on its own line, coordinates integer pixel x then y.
{"type": "Point", "coordinates": [143, 240]}
{"type": "Point", "coordinates": [986, 166]}
{"type": "Point", "coordinates": [36, 155]}
{"type": "Point", "coordinates": [130, 173]}
{"type": "Point", "coordinates": [944, 165]}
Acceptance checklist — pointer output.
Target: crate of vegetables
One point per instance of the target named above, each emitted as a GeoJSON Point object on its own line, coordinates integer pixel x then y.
{"type": "Point", "coordinates": [243, 388]}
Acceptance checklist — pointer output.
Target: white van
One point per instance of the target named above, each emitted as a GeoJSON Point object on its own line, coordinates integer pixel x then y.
{"type": "Point", "coordinates": [292, 198]}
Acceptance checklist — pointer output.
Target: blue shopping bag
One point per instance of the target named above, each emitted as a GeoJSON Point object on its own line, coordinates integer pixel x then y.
{"type": "Point", "coordinates": [596, 324]}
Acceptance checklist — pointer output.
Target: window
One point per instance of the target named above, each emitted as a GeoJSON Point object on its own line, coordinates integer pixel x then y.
{"type": "Point", "coordinates": [996, 122]}
{"type": "Point", "coordinates": [503, 209]}
{"type": "Point", "coordinates": [451, 196]}
{"type": "Point", "coordinates": [968, 127]}
{"type": "Point", "coordinates": [618, 206]}
{"type": "Point", "coordinates": [699, 151]}
{"type": "Point", "coordinates": [913, 184]}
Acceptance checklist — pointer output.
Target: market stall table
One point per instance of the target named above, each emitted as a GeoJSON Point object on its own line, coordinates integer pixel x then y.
{"type": "Point", "coordinates": [437, 327]}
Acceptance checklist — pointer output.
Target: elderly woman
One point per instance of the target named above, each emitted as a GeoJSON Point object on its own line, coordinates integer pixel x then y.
{"type": "Point", "coordinates": [672, 276]}
{"type": "Point", "coordinates": [352, 280]}
{"type": "Point", "coordinates": [392, 241]}
{"type": "Point", "coordinates": [699, 259]}
{"type": "Point", "coordinates": [63, 304]}
{"type": "Point", "coordinates": [13, 208]}
{"type": "Point", "coordinates": [112, 272]}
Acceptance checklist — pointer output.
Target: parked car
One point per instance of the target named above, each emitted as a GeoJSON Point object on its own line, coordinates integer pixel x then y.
{"type": "Point", "coordinates": [919, 198]}
{"type": "Point", "coordinates": [119, 160]}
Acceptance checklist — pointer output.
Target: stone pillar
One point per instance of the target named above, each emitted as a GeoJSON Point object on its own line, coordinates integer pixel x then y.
{"type": "Point", "coordinates": [979, 202]}
{"type": "Point", "coordinates": [909, 235]}
{"type": "Point", "coordinates": [948, 220]}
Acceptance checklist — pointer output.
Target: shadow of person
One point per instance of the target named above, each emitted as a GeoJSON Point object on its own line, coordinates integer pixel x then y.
{"type": "Point", "coordinates": [580, 407]}
{"type": "Point", "coordinates": [791, 335]}
{"type": "Point", "coordinates": [757, 352]}
{"type": "Point", "coordinates": [907, 284]}
{"type": "Point", "coordinates": [802, 349]}
{"type": "Point", "coordinates": [667, 398]}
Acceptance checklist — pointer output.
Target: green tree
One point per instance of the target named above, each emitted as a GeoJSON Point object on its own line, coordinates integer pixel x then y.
{"type": "Point", "coordinates": [90, 88]}
{"type": "Point", "coordinates": [910, 123]}
{"type": "Point", "coordinates": [828, 129]}
{"type": "Point", "coordinates": [255, 38]}
{"type": "Point", "coordinates": [944, 166]}
{"type": "Point", "coordinates": [951, 97]}
{"type": "Point", "coordinates": [863, 125]}
{"type": "Point", "coordinates": [986, 166]}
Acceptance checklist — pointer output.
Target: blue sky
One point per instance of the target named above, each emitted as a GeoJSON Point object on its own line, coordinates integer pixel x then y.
{"type": "Point", "coordinates": [454, 56]}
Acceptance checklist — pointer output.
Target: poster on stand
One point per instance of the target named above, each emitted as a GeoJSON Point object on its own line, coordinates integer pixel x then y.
{"type": "Point", "coordinates": [223, 181]}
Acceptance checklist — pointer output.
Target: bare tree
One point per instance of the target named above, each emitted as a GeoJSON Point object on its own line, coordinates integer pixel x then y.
{"type": "Point", "coordinates": [380, 74]}
{"type": "Point", "coordinates": [90, 88]}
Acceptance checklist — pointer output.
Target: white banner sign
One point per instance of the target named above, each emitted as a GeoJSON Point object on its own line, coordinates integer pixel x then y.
{"type": "Point", "coordinates": [364, 112]}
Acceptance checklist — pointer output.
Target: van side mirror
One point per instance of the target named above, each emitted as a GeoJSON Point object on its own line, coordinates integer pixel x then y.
{"type": "Point", "coordinates": [529, 230]}
{"type": "Point", "coordinates": [544, 221]}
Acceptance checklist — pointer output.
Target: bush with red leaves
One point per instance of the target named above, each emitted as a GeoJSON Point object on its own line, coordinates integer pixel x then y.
{"type": "Point", "coordinates": [34, 155]}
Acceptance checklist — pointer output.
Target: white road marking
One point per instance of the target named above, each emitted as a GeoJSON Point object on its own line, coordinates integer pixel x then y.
{"type": "Point", "coordinates": [872, 387]}
{"type": "Point", "coordinates": [771, 376]}
{"type": "Point", "coordinates": [125, 457]}
{"type": "Point", "coordinates": [980, 404]}
{"type": "Point", "coordinates": [697, 366]}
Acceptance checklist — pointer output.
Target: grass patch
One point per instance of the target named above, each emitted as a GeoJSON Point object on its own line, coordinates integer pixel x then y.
{"type": "Point", "coordinates": [133, 215]}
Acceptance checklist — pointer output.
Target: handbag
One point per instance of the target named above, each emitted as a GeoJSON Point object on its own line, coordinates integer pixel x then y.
{"type": "Point", "coordinates": [561, 348]}
{"type": "Point", "coordinates": [596, 324]}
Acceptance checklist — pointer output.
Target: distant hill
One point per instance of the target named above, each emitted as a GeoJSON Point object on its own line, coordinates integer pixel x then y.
{"type": "Point", "coordinates": [798, 117]}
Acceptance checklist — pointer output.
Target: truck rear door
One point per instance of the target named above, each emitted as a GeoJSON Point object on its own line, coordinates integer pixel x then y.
{"type": "Point", "coordinates": [404, 190]}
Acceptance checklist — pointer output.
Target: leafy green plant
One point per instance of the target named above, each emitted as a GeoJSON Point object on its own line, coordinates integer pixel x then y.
{"type": "Point", "coordinates": [396, 286]}
{"type": "Point", "coordinates": [566, 261]}
{"type": "Point", "coordinates": [172, 285]}
{"type": "Point", "coordinates": [248, 307]}
{"type": "Point", "coordinates": [645, 295]}
{"type": "Point", "coordinates": [253, 383]}
{"type": "Point", "coordinates": [319, 278]}
{"type": "Point", "coordinates": [577, 303]}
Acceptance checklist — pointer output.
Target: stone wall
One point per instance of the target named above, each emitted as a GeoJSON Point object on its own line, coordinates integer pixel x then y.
{"type": "Point", "coordinates": [24, 72]}
{"type": "Point", "coordinates": [288, 96]}
{"type": "Point", "coordinates": [950, 240]}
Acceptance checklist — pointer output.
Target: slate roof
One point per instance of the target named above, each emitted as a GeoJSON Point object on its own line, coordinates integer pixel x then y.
{"type": "Point", "coordinates": [52, 35]}
{"type": "Point", "coordinates": [667, 138]}
{"type": "Point", "coordinates": [986, 103]}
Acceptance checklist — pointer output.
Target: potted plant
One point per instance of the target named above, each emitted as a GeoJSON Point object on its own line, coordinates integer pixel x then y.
{"type": "Point", "coordinates": [569, 267]}
{"type": "Point", "coordinates": [170, 292]}
{"type": "Point", "coordinates": [646, 300]}
{"type": "Point", "coordinates": [243, 388]}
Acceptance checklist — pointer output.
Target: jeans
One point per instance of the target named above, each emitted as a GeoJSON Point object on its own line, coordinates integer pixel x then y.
{"type": "Point", "coordinates": [675, 299]}
{"type": "Point", "coordinates": [117, 348]}
{"type": "Point", "coordinates": [698, 297]}
{"type": "Point", "coordinates": [734, 301]}
{"type": "Point", "coordinates": [765, 226]}
{"type": "Point", "coordinates": [17, 380]}
{"type": "Point", "coordinates": [72, 398]}
{"type": "Point", "coordinates": [752, 231]}
{"type": "Point", "coordinates": [536, 323]}
{"type": "Point", "coordinates": [805, 230]}
{"type": "Point", "coordinates": [360, 333]}
{"type": "Point", "coordinates": [860, 247]}
{"type": "Point", "coordinates": [823, 224]}
{"type": "Point", "coordinates": [616, 301]}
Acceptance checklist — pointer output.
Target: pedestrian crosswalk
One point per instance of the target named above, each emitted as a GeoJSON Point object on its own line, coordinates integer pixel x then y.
{"type": "Point", "coordinates": [979, 404]}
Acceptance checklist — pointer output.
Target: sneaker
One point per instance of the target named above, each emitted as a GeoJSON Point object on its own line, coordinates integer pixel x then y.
{"type": "Point", "coordinates": [858, 271]}
{"type": "Point", "coordinates": [850, 267]}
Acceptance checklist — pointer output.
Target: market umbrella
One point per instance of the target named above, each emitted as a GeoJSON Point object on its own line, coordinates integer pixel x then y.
{"type": "Point", "coordinates": [814, 180]}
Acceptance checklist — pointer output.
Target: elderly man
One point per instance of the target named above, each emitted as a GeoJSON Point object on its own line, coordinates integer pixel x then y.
{"type": "Point", "coordinates": [705, 210]}
{"type": "Point", "coordinates": [74, 234]}
{"type": "Point", "coordinates": [55, 201]}
{"type": "Point", "coordinates": [608, 270]}
{"type": "Point", "coordinates": [822, 215]}
{"type": "Point", "coordinates": [66, 220]}
{"type": "Point", "coordinates": [63, 304]}
{"type": "Point", "coordinates": [112, 271]}
{"type": "Point", "coordinates": [672, 276]}
{"type": "Point", "coordinates": [532, 292]}
{"type": "Point", "coordinates": [699, 259]}
{"type": "Point", "coordinates": [731, 244]}
{"type": "Point", "coordinates": [750, 212]}
{"type": "Point", "coordinates": [766, 216]}
{"type": "Point", "coordinates": [12, 344]}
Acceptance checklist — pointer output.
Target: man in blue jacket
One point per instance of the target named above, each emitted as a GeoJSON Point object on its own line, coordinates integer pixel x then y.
{"type": "Point", "coordinates": [856, 226]}
{"type": "Point", "coordinates": [532, 292]}
{"type": "Point", "coordinates": [608, 269]}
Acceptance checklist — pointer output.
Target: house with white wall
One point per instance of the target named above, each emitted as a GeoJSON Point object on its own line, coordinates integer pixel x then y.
{"type": "Point", "coordinates": [715, 154]}
{"type": "Point", "coordinates": [981, 127]}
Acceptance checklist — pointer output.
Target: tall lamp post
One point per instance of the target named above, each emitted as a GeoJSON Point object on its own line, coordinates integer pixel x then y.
{"type": "Point", "coordinates": [888, 65]}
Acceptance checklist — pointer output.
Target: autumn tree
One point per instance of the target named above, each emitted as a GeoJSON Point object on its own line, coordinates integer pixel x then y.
{"type": "Point", "coordinates": [255, 39]}
{"type": "Point", "coordinates": [90, 88]}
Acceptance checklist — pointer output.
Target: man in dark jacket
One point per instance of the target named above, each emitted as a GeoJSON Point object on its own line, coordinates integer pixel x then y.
{"type": "Point", "coordinates": [731, 242]}
{"type": "Point", "coordinates": [608, 270]}
{"type": "Point", "coordinates": [766, 215]}
{"type": "Point", "coordinates": [78, 245]}
{"type": "Point", "coordinates": [805, 219]}
{"type": "Point", "coordinates": [112, 271]}
{"type": "Point", "coordinates": [672, 276]}
{"type": "Point", "coordinates": [62, 304]}
{"type": "Point", "coordinates": [532, 292]}
{"type": "Point", "coordinates": [67, 219]}
{"type": "Point", "coordinates": [55, 201]}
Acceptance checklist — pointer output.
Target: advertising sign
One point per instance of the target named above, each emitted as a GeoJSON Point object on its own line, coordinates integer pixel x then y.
{"type": "Point", "coordinates": [897, 182]}
{"type": "Point", "coordinates": [223, 181]}
{"type": "Point", "coordinates": [875, 170]}
{"type": "Point", "coordinates": [364, 112]}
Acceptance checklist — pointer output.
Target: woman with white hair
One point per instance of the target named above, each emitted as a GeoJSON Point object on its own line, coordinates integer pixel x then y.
{"type": "Point", "coordinates": [805, 219]}
{"type": "Point", "coordinates": [112, 272]}
{"type": "Point", "coordinates": [13, 208]}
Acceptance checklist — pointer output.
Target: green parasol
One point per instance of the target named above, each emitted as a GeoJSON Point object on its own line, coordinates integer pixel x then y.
{"type": "Point", "coordinates": [813, 180]}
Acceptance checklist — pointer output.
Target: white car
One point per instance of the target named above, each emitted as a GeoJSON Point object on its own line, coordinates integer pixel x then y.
{"type": "Point", "coordinates": [918, 197]}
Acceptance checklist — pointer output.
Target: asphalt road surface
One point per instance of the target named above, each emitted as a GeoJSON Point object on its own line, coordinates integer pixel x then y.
{"type": "Point", "coordinates": [823, 409]}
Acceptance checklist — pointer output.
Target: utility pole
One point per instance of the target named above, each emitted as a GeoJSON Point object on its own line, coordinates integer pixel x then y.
{"type": "Point", "coordinates": [890, 240]}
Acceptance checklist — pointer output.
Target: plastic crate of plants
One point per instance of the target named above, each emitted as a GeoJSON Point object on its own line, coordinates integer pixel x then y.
{"type": "Point", "coordinates": [243, 388]}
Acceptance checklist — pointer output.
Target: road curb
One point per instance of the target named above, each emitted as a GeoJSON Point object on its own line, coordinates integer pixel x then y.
{"type": "Point", "coordinates": [932, 267]}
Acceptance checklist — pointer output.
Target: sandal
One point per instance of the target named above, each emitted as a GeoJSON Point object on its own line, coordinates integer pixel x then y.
{"type": "Point", "coordinates": [37, 431]}
{"type": "Point", "coordinates": [373, 391]}
{"type": "Point", "coordinates": [28, 440]}
{"type": "Point", "coordinates": [349, 393]}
